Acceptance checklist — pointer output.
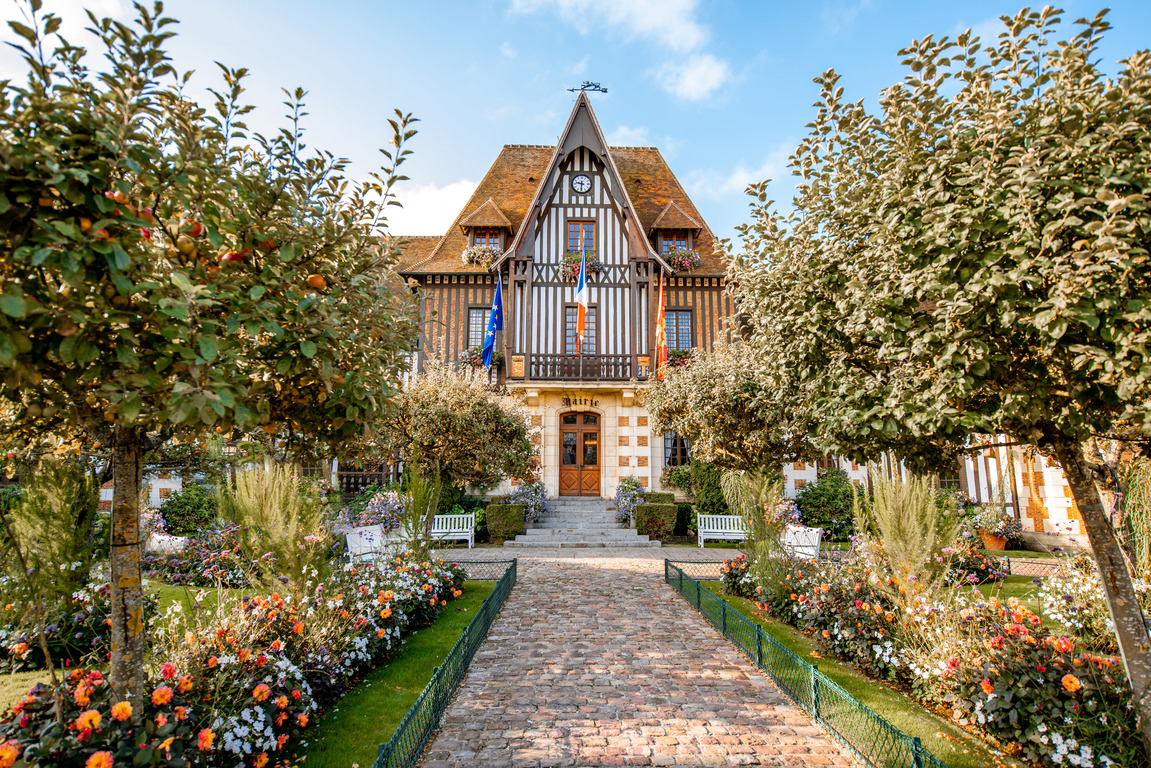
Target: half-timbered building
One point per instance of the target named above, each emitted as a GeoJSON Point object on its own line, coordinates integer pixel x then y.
{"type": "Point", "coordinates": [536, 206]}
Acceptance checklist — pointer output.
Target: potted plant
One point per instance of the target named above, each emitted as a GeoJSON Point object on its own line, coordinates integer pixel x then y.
{"type": "Point", "coordinates": [474, 357]}
{"type": "Point", "coordinates": [682, 259]}
{"type": "Point", "coordinates": [569, 267]}
{"type": "Point", "coordinates": [480, 255]}
{"type": "Point", "coordinates": [995, 526]}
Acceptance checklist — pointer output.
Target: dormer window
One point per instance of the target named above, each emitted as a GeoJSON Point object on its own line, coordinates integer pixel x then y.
{"type": "Point", "coordinates": [673, 240]}
{"type": "Point", "coordinates": [487, 236]}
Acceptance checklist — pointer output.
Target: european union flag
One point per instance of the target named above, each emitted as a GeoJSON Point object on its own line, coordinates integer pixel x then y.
{"type": "Point", "coordinates": [495, 323]}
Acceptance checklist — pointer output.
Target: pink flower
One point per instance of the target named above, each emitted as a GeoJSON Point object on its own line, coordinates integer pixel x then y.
{"type": "Point", "coordinates": [168, 671]}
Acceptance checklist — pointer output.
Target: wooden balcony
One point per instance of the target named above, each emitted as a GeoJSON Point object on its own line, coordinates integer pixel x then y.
{"type": "Point", "coordinates": [583, 368]}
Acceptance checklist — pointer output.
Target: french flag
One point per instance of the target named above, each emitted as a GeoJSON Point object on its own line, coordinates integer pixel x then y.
{"type": "Point", "coordinates": [581, 301]}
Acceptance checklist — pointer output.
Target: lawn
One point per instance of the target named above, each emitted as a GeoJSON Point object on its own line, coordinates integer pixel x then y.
{"type": "Point", "coordinates": [13, 687]}
{"type": "Point", "coordinates": [944, 739]}
{"type": "Point", "coordinates": [353, 729]}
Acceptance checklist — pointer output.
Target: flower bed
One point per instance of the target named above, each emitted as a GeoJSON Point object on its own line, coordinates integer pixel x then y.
{"type": "Point", "coordinates": [240, 687]}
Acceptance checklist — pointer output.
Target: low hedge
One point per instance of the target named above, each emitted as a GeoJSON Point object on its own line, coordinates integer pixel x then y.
{"type": "Point", "coordinates": [505, 521]}
{"type": "Point", "coordinates": [657, 497]}
{"type": "Point", "coordinates": [655, 520]}
{"type": "Point", "coordinates": [684, 519]}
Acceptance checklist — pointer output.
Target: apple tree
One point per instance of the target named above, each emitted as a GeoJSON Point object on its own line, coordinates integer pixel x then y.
{"type": "Point", "coordinates": [973, 258]}
{"type": "Point", "coordinates": [168, 271]}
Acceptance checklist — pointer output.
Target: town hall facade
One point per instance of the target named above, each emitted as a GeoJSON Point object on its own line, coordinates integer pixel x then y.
{"type": "Point", "coordinates": [626, 210]}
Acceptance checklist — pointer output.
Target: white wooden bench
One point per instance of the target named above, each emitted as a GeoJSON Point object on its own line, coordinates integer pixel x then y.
{"type": "Point", "coordinates": [368, 540]}
{"type": "Point", "coordinates": [721, 527]}
{"type": "Point", "coordinates": [462, 527]}
{"type": "Point", "coordinates": [802, 542]}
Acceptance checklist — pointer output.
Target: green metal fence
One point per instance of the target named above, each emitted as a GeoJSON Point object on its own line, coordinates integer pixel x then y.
{"type": "Point", "coordinates": [874, 740]}
{"type": "Point", "coordinates": [407, 744]}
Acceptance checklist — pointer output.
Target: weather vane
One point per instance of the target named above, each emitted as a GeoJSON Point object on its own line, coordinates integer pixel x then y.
{"type": "Point", "coordinates": [588, 85]}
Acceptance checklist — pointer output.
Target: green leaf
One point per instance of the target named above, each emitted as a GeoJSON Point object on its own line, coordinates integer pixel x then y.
{"type": "Point", "coordinates": [4, 204]}
{"type": "Point", "coordinates": [7, 350]}
{"type": "Point", "coordinates": [308, 348]}
{"type": "Point", "coordinates": [130, 408]}
{"type": "Point", "coordinates": [208, 348]}
{"type": "Point", "coordinates": [13, 306]}
{"type": "Point", "coordinates": [257, 291]}
{"type": "Point", "coordinates": [122, 259]}
{"type": "Point", "coordinates": [27, 33]}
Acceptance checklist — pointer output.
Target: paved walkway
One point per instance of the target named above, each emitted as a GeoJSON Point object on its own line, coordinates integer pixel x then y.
{"type": "Point", "coordinates": [594, 661]}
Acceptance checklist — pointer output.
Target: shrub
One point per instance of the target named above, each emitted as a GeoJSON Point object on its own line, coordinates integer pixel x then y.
{"type": "Point", "coordinates": [656, 497]}
{"type": "Point", "coordinates": [970, 566]}
{"type": "Point", "coordinates": [1075, 599]}
{"type": "Point", "coordinates": [505, 521]}
{"type": "Point", "coordinates": [678, 476]}
{"type": "Point", "coordinates": [627, 496]}
{"type": "Point", "coordinates": [708, 495]}
{"type": "Point", "coordinates": [827, 504]}
{"type": "Point", "coordinates": [534, 497]}
{"type": "Point", "coordinates": [738, 580]}
{"type": "Point", "coordinates": [655, 520]}
{"type": "Point", "coordinates": [75, 629]}
{"type": "Point", "coordinates": [685, 524]}
{"type": "Point", "coordinates": [189, 510]}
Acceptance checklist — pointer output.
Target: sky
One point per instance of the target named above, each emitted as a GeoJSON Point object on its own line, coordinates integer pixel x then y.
{"type": "Point", "coordinates": [722, 87]}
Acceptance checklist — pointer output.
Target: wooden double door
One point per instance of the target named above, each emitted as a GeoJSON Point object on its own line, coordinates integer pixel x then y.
{"type": "Point", "coordinates": [579, 454]}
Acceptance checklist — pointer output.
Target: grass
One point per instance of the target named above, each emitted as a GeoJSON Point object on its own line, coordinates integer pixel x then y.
{"type": "Point", "coordinates": [1026, 553]}
{"type": "Point", "coordinates": [353, 729]}
{"type": "Point", "coordinates": [167, 595]}
{"type": "Point", "coordinates": [945, 740]}
{"type": "Point", "coordinates": [14, 686]}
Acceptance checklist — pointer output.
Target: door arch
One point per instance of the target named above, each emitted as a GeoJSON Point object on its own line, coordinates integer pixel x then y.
{"type": "Point", "coordinates": [580, 454]}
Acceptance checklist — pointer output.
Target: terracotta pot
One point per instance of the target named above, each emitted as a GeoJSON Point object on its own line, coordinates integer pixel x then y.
{"type": "Point", "coordinates": [993, 542]}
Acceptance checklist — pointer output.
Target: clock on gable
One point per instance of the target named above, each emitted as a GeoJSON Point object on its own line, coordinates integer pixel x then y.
{"type": "Point", "coordinates": [581, 183]}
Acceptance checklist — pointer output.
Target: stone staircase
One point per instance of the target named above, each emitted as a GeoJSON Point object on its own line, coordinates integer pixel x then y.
{"type": "Point", "coordinates": [579, 522]}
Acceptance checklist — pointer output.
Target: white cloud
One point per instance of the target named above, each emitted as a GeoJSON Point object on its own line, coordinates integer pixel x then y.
{"type": "Point", "coordinates": [507, 50]}
{"type": "Point", "coordinates": [837, 15]}
{"type": "Point", "coordinates": [580, 67]}
{"type": "Point", "coordinates": [73, 22]}
{"type": "Point", "coordinates": [709, 183]}
{"type": "Point", "coordinates": [429, 209]}
{"type": "Point", "coordinates": [694, 78]}
{"type": "Point", "coordinates": [671, 23]}
{"type": "Point", "coordinates": [628, 137]}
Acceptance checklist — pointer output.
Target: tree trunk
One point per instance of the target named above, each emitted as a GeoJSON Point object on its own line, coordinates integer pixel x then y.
{"type": "Point", "coordinates": [126, 673]}
{"type": "Point", "coordinates": [1130, 627]}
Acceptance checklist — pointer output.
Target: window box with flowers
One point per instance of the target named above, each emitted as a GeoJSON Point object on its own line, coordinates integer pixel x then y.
{"type": "Point", "coordinates": [480, 255]}
{"type": "Point", "coordinates": [682, 259]}
{"type": "Point", "coordinates": [569, 267]}
{"type": "Point", "coordinates": [678, 358]}
{"type": "Point", "coordinates": [474, 357]}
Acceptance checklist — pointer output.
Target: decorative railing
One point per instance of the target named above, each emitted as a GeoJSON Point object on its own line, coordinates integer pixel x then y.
{"type": "Point", "coordinates": [581, 367]}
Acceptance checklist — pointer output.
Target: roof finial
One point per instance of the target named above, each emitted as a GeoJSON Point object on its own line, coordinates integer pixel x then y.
{"type": "Point", "coordinates": [588, 85]}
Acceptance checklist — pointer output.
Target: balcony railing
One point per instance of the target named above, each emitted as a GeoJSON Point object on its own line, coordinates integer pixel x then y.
{"type": "Point", "coordinates": [582, 368]}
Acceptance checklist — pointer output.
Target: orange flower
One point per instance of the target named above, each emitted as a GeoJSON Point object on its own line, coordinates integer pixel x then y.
{"type": "Point", "coordinates": [82, 695]}
{"type": "Point", "coordinates": [277, 645]}
{"type": "Point", "coordinates": [1071, 683]}
{"type": "Point", "coordinates": [161, 695]}
{"type": "Point", "coordinates": [20, 648]}
{"type": "Point", "coordinates": [212, 662]}
{"type": "Point", "coordinates": [245, 654]}
{"type": "Point", "coordinates": [826, 634]}
{"type": "Point", "coordinates": [89, 719]}
{"type": "Point", "coordinates": [387, 612]}
{"type": "Point", "coordinates": [282, 702]}
{"type": "Point", "coordinates": [121, 711]}
{"type": "Point", "coordinates": [181, 713]}
{"type": "Point", "coordinates": [281, 740]}
{"type": "Point", "coordinates": [261, 760]}
{"type": "Point", "coordinates": [298, 628]}
{"type": "Point", "coordinates": [296, 694]}
{"type": "Point", "coordinates": [8, 754]}
{"type": "Point", "coordinates": [99, 760]}
{"type": "Point", "coordinates": [204, 743]}
{"type": "Point", "coordinates": [987, 687]}
{"type": "Point", "coordinates": [1064, 644]}
{"type": "Point", "coordinates": [303, 721]}
{"type": "Point", "coordinates": [261, 692]}
{"type": "Point", "coordinates": [161, 721]}
{"type": "Point", "coordinates": [280, 718]}
{"type": "Point", "coordinates": [185, 684]}
{"type": "Point", "coordinates": [381, 632]}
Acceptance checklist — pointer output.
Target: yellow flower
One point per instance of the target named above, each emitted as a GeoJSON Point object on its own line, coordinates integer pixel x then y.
{"type": "Point", "coordinates": [121, 711]}
{"type": "Point", "coordinates": [1071, 683]}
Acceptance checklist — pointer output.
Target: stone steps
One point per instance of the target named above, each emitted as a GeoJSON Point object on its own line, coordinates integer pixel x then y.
{"type": "Point", "coordinates": [583, 523]}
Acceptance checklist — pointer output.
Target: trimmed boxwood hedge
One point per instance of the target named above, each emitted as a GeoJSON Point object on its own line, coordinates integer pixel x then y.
{"type": "Point", "coordinates": [505, 521]}
{"type": "Point", "coordinates": [657, 497]}
{"type": "Point", "coordinates": [655, 520]}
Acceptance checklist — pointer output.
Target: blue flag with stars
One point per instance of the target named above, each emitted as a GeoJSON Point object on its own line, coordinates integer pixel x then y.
{"type": "Point", "coordinates": [495, 323]}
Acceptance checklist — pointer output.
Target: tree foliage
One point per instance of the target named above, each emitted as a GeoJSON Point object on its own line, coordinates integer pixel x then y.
{"type": "Point", "coordinates": [168, 271]}
{"type": "Point", "coordinates": [971, 259]}
{"type": "Point", "coordinates": [454, 424]}
{"type": "Point", "coordinates": [733, 418]}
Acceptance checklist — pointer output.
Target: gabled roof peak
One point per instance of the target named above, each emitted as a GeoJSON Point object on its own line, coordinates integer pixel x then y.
{"type": "Point", "coordinates": [674, 217]}
{"type": "Point", "coordinates": [486, 215]}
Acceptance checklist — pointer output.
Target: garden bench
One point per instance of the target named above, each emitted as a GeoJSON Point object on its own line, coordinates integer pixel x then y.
{"type": "Point", "coordinates": [462, 527]}
{"type": "Point", "coordinates": [368, 540]}
{"type": "Point", "coordinates": [802, 542]}
{"type": "Point", "coordinates": [721, 527]}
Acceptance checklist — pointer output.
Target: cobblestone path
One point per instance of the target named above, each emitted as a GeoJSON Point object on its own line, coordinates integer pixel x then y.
{"type": "Point", "coordinates": [594, 661]}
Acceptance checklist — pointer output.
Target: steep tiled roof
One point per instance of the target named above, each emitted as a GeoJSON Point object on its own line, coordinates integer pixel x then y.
{"type": "Point", "coordinates": [487, 215]}
{"type": "Point", "coordinates": [511, 183]}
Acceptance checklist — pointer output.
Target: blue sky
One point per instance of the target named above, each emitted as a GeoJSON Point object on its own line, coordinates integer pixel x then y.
{"type": "Point", "coordinates": [722, 87]}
